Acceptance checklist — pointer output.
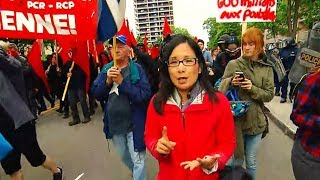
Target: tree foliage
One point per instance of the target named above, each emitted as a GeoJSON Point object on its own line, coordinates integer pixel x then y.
{"type": "Point", "coordinates": [180, 30]}
{"type": "Point", "coordinates": [279, 27]}
{"type": "Point", "coordinates": [310, 12]}
{"type": "Point", "coordinates": [24, 45]}
{"type": "Point", "coordinates": [140, 39]}
{"type": "Point", "coordinates": [216, 29]}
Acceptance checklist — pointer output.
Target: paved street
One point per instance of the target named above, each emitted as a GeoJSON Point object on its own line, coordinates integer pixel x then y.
{"type": "Point", "coordinates": [282, 112]}
{"type": "Point", "coordinates": [83, 149]}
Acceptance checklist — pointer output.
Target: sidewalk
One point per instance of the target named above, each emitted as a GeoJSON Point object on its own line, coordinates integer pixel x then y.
{"type": "Point", "coordinates": [280, 115]}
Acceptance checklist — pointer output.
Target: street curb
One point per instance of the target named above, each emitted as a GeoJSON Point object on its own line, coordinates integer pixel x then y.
{"type": "Point", "coordinates": [284, 128]}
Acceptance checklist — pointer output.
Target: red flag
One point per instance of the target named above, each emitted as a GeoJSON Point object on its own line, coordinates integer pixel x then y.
{"type": "Point", "coordinates": [81, 58]}
{"type": "Point", "coordinates": [145, 42]}
{"type": "Point", "coordinates": [95, 51]}
{"type": "Point", "coordinates": [127, 24]}
{"type": "Point", "coordinates": [195, 39]}
{"type": "Point", "coordinates": [65, 48]}
{"type": "Point", "coordinates": [131, 36]}
{"type": "Point", "coordinates": [133, 39]}
{"type": "Point", "coordinates": [166, 27]}
{"type": "Point", "coordinates": [155, 52]}
{"type": "Point", "coordinates": [125, 31]}
{"type": "Point", "coordinates": [100, 47]}
{"type": "Point", "coordinates": [91, 48]}
{"type": "Point", "coordinates": [34, 59]}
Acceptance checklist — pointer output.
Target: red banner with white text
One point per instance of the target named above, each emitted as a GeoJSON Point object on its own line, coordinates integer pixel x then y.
{"type": "Point", "coordinates": [246, 10]}
{"type": "Point", "coordinates": [48, 19]}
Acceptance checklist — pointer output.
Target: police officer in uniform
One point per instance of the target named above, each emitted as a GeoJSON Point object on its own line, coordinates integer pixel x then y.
{"type": "Point", "coordinates": [288, 54]}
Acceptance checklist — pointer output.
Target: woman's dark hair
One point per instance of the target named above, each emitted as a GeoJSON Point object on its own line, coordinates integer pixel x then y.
{"type": "Point", "coordinates": [105, 53]}
{"type": "Point", "coordinates": [59, 59]}
{"type": "Point", "coordinates": [167, 87]}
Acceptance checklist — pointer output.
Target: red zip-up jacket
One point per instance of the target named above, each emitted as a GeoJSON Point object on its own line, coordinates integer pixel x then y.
{"type": "Point", "coordinates": [204, 128]}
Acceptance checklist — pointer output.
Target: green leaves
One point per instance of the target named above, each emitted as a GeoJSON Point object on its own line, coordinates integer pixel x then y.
{"type": "Point", "coordinates": [215, 30]}
{"type": "Point", "coordinates": [180, 30]}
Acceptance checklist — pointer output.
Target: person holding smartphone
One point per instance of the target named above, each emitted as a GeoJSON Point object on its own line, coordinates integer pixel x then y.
{"type": "Point", "coordinates": [253, 77]}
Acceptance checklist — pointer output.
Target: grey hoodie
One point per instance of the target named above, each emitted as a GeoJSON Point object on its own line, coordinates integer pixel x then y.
{"type": "Point", "coordinates": [12, 93]}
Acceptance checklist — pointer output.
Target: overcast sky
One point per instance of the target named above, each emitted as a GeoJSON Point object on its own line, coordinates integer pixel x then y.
{"type": "Point", "coordinates": [189, 14]}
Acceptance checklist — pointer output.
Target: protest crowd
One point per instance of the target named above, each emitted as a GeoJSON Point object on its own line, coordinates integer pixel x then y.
{"type": "Point", "coordinates": [153, 99]}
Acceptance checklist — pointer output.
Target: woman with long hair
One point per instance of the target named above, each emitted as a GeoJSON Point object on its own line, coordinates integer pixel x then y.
{"type": "Point", "coordinates": [256, 86]}
{"type": "Point", "coordinates": [189, 127]}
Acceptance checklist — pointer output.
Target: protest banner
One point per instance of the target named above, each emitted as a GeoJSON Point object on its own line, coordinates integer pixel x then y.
{"type": "Point", "coordinates": [48, 19]}
{"type": "Point", "coordinates": [246, 10]}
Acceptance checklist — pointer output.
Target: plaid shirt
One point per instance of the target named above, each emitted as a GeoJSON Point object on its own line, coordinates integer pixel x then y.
{"type": "Point", "coordinates": [306, 114]}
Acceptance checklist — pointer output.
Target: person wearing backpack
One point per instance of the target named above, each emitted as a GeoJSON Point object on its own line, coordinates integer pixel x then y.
{"type": "Point", "coordinates": [257, 87]}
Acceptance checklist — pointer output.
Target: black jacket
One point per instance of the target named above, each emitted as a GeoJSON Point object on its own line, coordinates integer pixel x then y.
{"type": "Point", "coordinates": [78, 78]}
{"type": "Point", "coordinates": [150, 68]}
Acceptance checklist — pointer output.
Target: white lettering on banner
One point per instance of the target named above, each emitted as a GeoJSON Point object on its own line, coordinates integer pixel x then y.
{"type": "Point", "coordinates": [63, 24]}
{"type": "Point", "coordinates": [65, 5]}
{"type": "Point", "coordinates": [44, 23]}
{"type": "Point", "coordinates": [23, 21]}
{"type": "Point", "coordinates": [58, 21]}
{"type": "Point", "coordinates": [72, 24]}
{"type": "Point", "coordinates": [7, 19]}
{"type": "Point", "coordinates": [246, 10]}
{"type": "Point", "coordinates": [36, 5]}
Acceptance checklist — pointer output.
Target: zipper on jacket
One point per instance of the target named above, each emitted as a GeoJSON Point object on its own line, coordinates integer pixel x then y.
{"type": "Point", "coordinates": [183, 120]}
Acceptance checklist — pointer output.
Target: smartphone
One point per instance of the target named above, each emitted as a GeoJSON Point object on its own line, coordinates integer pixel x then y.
{"type": "Point", "coordinates": [241, 75]}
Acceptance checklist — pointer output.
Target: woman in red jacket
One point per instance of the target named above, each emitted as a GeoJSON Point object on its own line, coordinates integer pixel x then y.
{"type": "Point", "coordinates": [189, 127]}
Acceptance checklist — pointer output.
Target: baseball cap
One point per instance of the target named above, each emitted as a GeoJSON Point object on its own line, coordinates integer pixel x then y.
{"type": "Point", "coordinates": [120, 38]}
{"type": "Point", "coordinates": [223, 39]}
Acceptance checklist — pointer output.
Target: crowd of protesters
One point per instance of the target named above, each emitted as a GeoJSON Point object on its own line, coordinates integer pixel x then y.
{"type": "Point", "coordinates": [165, 103]}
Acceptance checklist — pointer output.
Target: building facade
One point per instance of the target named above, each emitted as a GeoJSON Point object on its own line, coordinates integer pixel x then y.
{"type": "Point", "coordinates": [149, 16]}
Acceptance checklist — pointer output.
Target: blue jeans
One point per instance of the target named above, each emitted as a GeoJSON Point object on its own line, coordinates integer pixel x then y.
{"type": "Point", "coordinates": [251, 144]}
{"type": "Point", "coordinates": [135, 161]}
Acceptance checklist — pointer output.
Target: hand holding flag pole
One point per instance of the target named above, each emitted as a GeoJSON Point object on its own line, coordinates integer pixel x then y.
{"type": "Point", "coordinates": [67, 84]}
{"type": "Point", "coordinates": [96, 54]}
{"type": "Point", "coordinates": [115, 85]}
{"type": "Point", "coordinates": [57, 58]}
{"type": "Point", "coordinates": [56, 47]}
{"type": "Point", "coordinates": [114, 51]}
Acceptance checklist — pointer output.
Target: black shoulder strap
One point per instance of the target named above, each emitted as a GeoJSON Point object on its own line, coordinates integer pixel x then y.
{"type": "Point", "coordinates": [298, 86]}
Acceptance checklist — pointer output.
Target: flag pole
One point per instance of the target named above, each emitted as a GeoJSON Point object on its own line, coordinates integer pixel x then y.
{"type": "Point", "coordinates": [56, 48]}
{"type": "Point", "coordinates": [96, 53]}
{"type": "Point", "coordinates": [244, 27]}
{"type": "Point", "coordinates": [67, 84]}
{"type": "Point", "coordinates": [114, 51]}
